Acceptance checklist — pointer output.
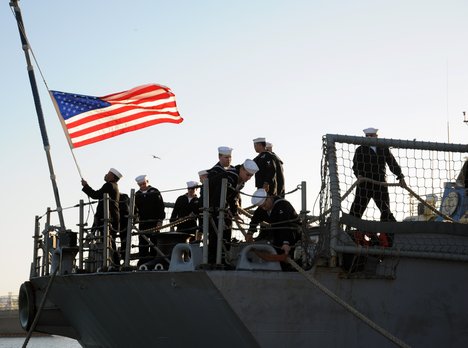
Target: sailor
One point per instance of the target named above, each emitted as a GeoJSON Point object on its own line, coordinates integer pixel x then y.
{"type": "Point", "coordinates": [279, 170]}
{"type": "Point", "coordinates": [266, 177]}
{"type": "Point", "coordinates": [370, 162]}
{"type": "Point", "coordinates": [187, 205]}
{"type": "Point", "coordinates": [149, 206]}
{"type": "Point", "coordinates": [112, 189]}
{"type": "Point", "coordinates": [236, 179]}
{"type": "Point", "coordinates": [202, 175]}
{"type": "Point", "coordinates": [225, 159]}
{"type": "Point", "coordinates": [283, 232]}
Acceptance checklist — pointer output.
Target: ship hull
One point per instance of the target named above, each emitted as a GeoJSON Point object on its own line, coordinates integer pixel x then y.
{"type": "Point", "coordinates": [423, 305]}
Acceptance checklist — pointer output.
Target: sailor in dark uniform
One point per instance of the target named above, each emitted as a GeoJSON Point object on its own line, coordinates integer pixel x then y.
{"type": "Point", "coordinates": [283, 232]}
{"type": "Point", "coordinates": [149, 206]}
{"type": "Point", "coordinates": [266, 176]}
{"type": "Point", "coordinates": [280, 187]}
{"type": "Point", "coordinates": [236, 178]}
{"type": "Point", "coordinates": [185, 206]}
{"type": "Point", "coordinates": [225, 159]}
{"type": "Point", "coordinates": [112, 189]}
{"type": "Point", "coordinates": [370, 162]}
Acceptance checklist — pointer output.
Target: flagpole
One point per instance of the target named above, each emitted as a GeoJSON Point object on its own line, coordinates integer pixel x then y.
{"type": "Point", "coordinates": [37, 103]}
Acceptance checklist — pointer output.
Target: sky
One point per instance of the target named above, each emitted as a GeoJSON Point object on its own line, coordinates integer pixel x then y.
{"type": "Point", "coordinates": [290, 71]}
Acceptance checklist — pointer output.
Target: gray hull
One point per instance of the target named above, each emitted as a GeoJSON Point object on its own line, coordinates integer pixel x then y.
{"type": "Point", "coordinates": [424, 306]}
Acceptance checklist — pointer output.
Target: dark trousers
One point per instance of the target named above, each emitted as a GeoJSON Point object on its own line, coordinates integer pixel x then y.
{"type": "Point", "coordinates": [364, 192]}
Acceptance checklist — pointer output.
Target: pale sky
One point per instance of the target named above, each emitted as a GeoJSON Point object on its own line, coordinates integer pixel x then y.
{"type": "Point", "coordinates": [290, 71]}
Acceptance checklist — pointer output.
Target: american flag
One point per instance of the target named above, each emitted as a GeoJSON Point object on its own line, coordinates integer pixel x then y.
{"type": "Point", "coordinates": [87, 119]}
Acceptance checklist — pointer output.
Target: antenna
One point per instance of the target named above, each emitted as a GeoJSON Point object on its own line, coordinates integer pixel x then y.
{"type": "Point", "coordinates": [464, 117]}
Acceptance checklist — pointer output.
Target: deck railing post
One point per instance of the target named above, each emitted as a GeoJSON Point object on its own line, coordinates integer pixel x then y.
{"type": "Point", "coordinates": [46, 232]}
{"type": "Point", "coordinates": [36, 265]}
{"type": "Point", "coordinates": [206, 218]}
{"type": "Point", "coordinates": [131, 218]}
{"type": "Point", "coordinates": [304, 203]}
{"type": "Point", "coordinates": [222, 206]}
{"type": "Point", "coordinates": [81, 235]}
{"type": "Point", "coordinates": [105, 231]}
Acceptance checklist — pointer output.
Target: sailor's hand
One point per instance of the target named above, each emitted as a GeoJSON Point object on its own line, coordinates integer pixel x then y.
{"type": "Point", "coordinates": [249, 237]}
{"type": "Point", "coordinates": [402, 182]}
{"type": "Point", "coordinates": [286, 248]}
{"type": "Point", "coordinates": [84, 182]}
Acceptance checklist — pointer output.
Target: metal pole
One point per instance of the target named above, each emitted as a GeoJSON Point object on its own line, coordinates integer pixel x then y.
{"type": "Point", "coordinates": [304, 202]}
{"type": "Point", "coordinates": [37, 103]}
{"type": "Point", "coordinates": [222, 205]}
{"type": "Point", "coordinates": [105, 231]}
{"type": "Point", "coordinates": [81, 235]}
{"type": "Point", "coordinates": [36, 266]}
{"type": "Point", "coordinates": [131, 217]}
{"type": "Point", "coordinates": [45, 261]}
{"type": "Point", "coordinates": [335, 200]}
{"type": "Point", "coordinates": [206, 218]}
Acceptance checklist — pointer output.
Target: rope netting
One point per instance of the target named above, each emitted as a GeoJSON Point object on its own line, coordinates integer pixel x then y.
{"type": "Point", "coordinates": [429, 203]}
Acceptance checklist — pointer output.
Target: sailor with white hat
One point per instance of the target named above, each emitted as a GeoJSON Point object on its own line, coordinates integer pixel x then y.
{"type": "Point", "coordinates": [116, 173]}
{"type": "Point", "coordinates": [192, 184]}
{"type": "Point", "coordinates": [259, 197]}
{"type": "Point", "coordinates": [236, 178]}
{"type": "Point", "coordinates": [202, 174]}
{"type": "Point", "coordinates": [141, 179]}
{"type": "Point", "coordinates": [250, 166]}
{"type": "Point", "coordinates": [267, 175]}
{"type": "Point", "coordinates": [225, 150]}
{"type": "Point", "coordinates": [110, 188]}
{"type": "Point", "coordinates": [259, 140]}
{"type": "Point", "coordinates": [370, 131]}
{"type": "Point", "coordinates": [225, 158]}
{"type": "Point", "coordinates": [186, 206]}
{"type": "Point", "coordinates": [370, 162]}
{"type": "Point", "coordinates": [150, 206]}
{"type": "Point", "coordinates": [281, 214]}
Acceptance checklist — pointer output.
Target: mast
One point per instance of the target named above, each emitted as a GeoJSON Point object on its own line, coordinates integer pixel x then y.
{"type": "Point", "coordinates": [37, 103]}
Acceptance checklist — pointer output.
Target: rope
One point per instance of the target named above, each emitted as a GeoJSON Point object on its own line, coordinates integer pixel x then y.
{"type": "Point", "coordinates": [41, 306]}
{"type": "Point", "coordinates": [298, 187]}
{"type": "Point", "coordinates": [171, 224]}
{"type": "Point", "coordinates": [347, 306]}
{"type": "Point", "coordinates": [151, 245]}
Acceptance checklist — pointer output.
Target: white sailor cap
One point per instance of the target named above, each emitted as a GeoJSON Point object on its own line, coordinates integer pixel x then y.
{"type": "Point", "coordinates": [115, 172]}
{"type": "Point", "coordinates": [140, 178]}
{"type": "Point", "coordinates": [259, 140]}
{"type": "Point", "coordinates": [250, 166]}
{"type": "Point", "coordinates": [270, 145]}
{"type": "Point", "coordinates": [370, 130]}
{"type": "Point", "coordinates": [224, 150]}
{"type": "Point", "coordinates": [259, 197]}
{"type": "Point", "coordinates": [203, 172]}
{"type": "Point", "coordinates": [192, 184]}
